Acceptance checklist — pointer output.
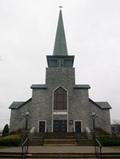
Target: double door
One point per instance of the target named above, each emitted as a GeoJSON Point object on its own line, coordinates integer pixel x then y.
{"type": "Point", "coordinates": [60, 125]}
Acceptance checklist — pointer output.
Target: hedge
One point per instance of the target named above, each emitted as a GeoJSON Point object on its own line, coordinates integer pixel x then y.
{"type": "Point", "coordinates": [11, 140]}
{"type": "Point", "coordinates": [110, 140]}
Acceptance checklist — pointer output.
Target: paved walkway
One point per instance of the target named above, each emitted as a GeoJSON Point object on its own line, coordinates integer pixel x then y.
{"type": "Point", "coordinates": [61, 149]}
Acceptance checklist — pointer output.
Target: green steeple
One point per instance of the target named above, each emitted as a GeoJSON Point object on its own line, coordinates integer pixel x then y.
{"type": "Point", "coordinates": [60, 56]}
{"type": "Point", "coordinates": [60, 47]}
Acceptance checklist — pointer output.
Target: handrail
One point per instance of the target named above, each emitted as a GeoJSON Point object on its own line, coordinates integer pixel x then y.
{"type": "Point", "coordinates": [24, 146]}
{"type": "Point", "coordinates": [24, 141]}
{"type": "Point", "coordinates": [98, 149]}
{"type": "Point", "coordinates": [77, 136]}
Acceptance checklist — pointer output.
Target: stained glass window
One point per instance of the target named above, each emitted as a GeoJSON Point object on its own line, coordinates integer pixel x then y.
{"type": "Point", "coordinates": [60, 99]}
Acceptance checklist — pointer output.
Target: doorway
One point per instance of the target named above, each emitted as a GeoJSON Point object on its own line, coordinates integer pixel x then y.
{"type": "Point", "coordinates": [60, 125]}
{"type": "Point", "coordinates": [42, 128]}
{"type": "Point", "coordinates": [77, 126]}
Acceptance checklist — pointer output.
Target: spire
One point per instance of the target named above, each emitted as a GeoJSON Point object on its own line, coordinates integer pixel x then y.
{"type": "Point", "coordinates": [60, 47]}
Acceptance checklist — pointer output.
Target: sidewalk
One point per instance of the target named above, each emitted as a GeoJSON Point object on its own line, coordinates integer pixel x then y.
{"type": "Point", "coordinates": [62, 149]}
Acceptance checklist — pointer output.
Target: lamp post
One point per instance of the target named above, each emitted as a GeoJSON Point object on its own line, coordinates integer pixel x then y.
{"type": "Point", "coordinates": [25, 142]}
{"type": "Point", "coordinates": [93, 116]}
{"type": "Point", "coordinates": [27, 116]}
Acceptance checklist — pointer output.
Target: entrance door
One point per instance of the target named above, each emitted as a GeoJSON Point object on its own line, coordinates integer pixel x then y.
{"type": "Point", "coordinates": [42, 126]}
{"type": "Point", "coordinates": [78, 126]}
{"type": "Point", "coordinates": [60, 125]}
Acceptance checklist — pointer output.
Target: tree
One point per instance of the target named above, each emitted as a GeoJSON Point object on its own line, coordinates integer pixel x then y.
{"type": "Point", "coordinates": [5, 130]}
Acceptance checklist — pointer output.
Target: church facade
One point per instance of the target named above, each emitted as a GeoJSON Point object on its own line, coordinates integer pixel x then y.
{"type": "Point", "coordinates": [60, 105]}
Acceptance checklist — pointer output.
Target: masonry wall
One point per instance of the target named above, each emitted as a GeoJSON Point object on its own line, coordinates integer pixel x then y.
{"type": "Point", "coordinates": [60, 76]}
{"type": "Point", "coordinates": [42, 99]}
{"type": "Point", "coordinates": [102, 119]}
{"type": "Point", "coordinates": [17, 117]}
{"type": "Point", "coordinates": [78, 103]}
{"type": "Point", "coordinates": [79, 107]}
{"type": "Point", "coordinates": [41, 105]}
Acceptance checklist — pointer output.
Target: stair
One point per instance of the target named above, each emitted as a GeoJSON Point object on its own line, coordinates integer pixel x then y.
{"type": "Point", "coordinates": [82, 140]}
{"type": "Point", "coordinates": [60, 142]}
{"type": "Point", "coordinates": [85, 142]}
{"type": "Point", "coordinates": [57, 139]}
{"type": "Point", "coordinates": [36, 140]}
{"type": "Point", "coordinates": [59, 155]}
{"type": "Point", "coordinates": [60, 139]}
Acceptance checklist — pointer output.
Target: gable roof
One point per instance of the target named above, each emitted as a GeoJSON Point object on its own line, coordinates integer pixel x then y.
{"type": "Point", "coordinates": [104, 105]}
{"type": "Point", "coordinates": [15, 105]}
{"type": "Point", "coordinates": [101, 105]}
{"type": "Point", "coordinates": [18, 104]}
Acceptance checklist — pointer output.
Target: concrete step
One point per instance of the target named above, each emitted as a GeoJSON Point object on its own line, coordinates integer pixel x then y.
{"type": "Point", "coordinates": [85, 142]}
{"type": "Point", "coordinates": [81, 142]}
{"type": "Point", "coordinates": [53, 139]}
{"type": "Point", "coordinates": [36, 142]}
{"type": "Point", "coordinates": [61, 139]}
{"type": "Point", "coordinates": [59, 155]}
{"type": "Point", "coordinates": [60, 142]}
{"type": "Point", "coordinates": [59, 135]}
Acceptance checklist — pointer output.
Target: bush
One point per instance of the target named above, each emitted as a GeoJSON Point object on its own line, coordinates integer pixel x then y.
{"type": "Point", "coordinates": [110, 140]}
{"type": "Point", "coordinates": [11, 140]}
{"type": "Point", "coordinates": [100, 131]}
{"type": "Point", "coordinates": [5, 130]}
{"type": "Point", "coordinates": [17, 132]}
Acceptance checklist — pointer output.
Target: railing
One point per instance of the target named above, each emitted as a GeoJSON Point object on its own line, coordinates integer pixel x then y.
{"type": "Point", "coordinates": [24, 147]}
{"type": "Point", "coordinates": [82, 139]}
{"type": "Point", "coordinates": [88, 133]}
{"type": "Point", "coordinates": [77, 136]}
{"type": "Point", "coordinates": [98, 149]}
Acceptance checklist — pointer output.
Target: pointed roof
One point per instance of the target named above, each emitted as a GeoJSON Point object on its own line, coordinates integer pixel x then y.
{"type": "Point", "coordinates": [60, 46]}
{"type": "Point", "coordinates": [18, 104]}
{"type": "Point", "coordinates": [101, 105]}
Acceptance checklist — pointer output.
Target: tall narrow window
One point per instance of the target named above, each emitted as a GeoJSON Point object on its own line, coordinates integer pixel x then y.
{"type": "Point", "coordinates": [60, 99]}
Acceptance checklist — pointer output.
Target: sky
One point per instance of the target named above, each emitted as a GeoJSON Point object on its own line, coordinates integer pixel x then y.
{"type": "Point", "coordinates": [27, 34]}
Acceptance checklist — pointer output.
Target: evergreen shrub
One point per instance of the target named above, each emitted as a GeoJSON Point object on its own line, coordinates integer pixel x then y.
{"type": "Point", "coordinates": [11, 140]}
{"type": "Point", "coordinates": [5, 130]}
{"type": "Point", "coordinates": [110, 140]}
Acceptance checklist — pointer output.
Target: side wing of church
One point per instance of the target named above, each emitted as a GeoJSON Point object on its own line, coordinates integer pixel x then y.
{"type": "Point", "coordinates": [60, 105]}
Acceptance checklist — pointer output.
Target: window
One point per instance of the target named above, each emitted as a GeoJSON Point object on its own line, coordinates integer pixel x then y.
{"type": "Point", "coordinates": [60, 99]}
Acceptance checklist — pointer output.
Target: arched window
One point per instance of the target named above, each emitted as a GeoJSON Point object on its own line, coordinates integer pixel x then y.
{"type": "Point", "coordinates": [60, 99]}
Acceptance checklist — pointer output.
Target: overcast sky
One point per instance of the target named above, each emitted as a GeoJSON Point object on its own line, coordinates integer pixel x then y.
{"type": "Point", "coordinates": [27, 33]}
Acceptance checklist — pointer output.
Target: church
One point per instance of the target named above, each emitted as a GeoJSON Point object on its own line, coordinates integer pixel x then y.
{"type": "Point", "coordinates": [60, 105]}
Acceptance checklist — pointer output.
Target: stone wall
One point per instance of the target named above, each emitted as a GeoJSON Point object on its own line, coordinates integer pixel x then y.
{"type": "Point", "coordinates": [41, 105]}
{"type": "Point", "coordinates": [79, 107]}
{"type": "Point", "coordinates": [102, 119]}
{"type": "Point", "coordinates": [17, 117]}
